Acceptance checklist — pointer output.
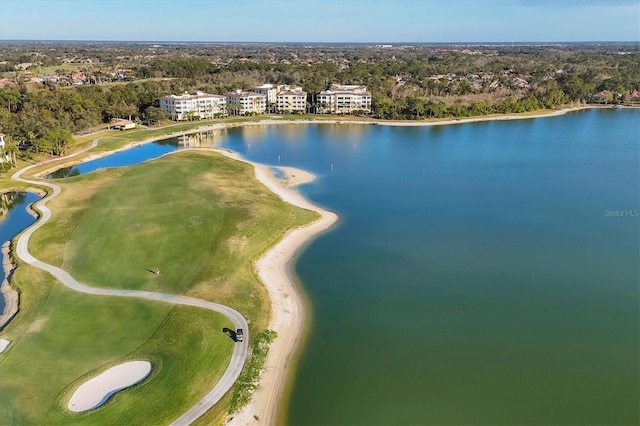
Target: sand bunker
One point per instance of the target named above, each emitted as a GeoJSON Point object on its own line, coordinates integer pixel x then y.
{"type": "Point", "coordinates": [4, 344]}
{"type": "Point", "coordinates": [97, 391]}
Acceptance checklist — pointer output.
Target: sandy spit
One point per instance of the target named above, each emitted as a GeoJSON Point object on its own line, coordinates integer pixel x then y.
{"type": "Point", "coordinates": [286, 303]}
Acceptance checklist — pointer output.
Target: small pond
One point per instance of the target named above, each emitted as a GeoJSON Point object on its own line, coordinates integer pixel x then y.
{"type": "Point", "coordinates": [14, 218]}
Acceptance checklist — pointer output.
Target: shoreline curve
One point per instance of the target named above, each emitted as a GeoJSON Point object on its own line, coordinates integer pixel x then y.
{"type": "Point", "coordinates": [287, 303]}
{"type": "Point", "coordinates": [282, 121]}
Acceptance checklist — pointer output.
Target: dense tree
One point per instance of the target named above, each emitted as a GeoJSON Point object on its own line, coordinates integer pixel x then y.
{"type": "Point", "coordinates": [53, 141]}
{"type": "Point", "coordinates": [414, 82]}
{"type": "Point", "coordinates": [155, 114]}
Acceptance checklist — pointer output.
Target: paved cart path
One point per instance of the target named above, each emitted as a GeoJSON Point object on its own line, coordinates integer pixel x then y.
{"type": "Point", "coordinates": [240, 350]}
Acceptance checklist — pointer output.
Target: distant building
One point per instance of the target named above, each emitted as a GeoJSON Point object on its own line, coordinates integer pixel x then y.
{"type": "Point", "coordinates": [242, 103]}
{"type": "Point", "coordinates": [520, 83]}
{"type": "Point", "coordinates": [292, 99]}
{"type": "Point", "coordinates": [4, 156]}
{"type": "Point", "coordinates": [269, 90]}
{"type": "Point", "coordinates": [604, 96]}
{"type": "Point", "coordinates": [633, 96]}
{"type": "Point", "coordinates": [193, 106]}
{"type": "Point", "coordinates": [344, 99]}
{"type": "Point", "coordinates": [121, 124]}
{"type": "Point", "coordinates": [78, 78]}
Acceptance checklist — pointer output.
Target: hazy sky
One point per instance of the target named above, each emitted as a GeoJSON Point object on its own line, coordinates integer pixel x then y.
{"type": "Point", "coordinates": [322, 20]}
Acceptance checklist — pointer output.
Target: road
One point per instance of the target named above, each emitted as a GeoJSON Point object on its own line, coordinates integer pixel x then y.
{"type": "Point", "coordinates": [240, 350]}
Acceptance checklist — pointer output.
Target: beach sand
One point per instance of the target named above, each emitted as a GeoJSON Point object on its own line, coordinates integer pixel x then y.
{"type": "Point", "coordinates": [286, 303]}
{"type": "Point", "coordinates": [96, 391]}
{"type": "Point", "coordinates": [294, 177]}
{"type": "Point", "coordinates": [4, 344]}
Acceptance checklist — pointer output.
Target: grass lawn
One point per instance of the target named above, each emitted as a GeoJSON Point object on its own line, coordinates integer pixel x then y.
{"type": "Point", "coordinates": [61, 338]}
{"type": "Point", "coordinates": [198, 216]}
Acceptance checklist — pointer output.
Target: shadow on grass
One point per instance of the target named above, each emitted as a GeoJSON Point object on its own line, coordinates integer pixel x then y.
{"type": "Point", "coordinates": [231, 333]}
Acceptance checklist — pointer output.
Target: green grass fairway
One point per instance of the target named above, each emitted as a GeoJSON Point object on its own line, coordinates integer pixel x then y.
{"type": "Point", "coordinates": [61, 338]}
{"type": "Point", "coordinates": [202, 219]}
{"type": "Point", "coordinates": [198, 216]}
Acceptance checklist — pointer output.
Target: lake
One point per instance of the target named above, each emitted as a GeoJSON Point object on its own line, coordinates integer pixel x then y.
{"type": "Point", "coordinates": [481, 273]}
{"type": "Point", "coordinates": [14, 218]}
{"type": "Point", "coordinates": [139, 153]}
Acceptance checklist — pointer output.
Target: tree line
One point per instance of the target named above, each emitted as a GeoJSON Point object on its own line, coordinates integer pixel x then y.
{"type": "Point", "coordinates": [45, 117]}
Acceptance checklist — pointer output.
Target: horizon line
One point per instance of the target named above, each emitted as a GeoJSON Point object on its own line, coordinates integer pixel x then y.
{"type": "Point", "coordinates": [527, 42]}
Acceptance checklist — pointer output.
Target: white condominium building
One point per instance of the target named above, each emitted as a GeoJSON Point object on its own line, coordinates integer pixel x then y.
{"type": "Point", "coordinates": [241, 103]}
{"type": "Point", "coordinates": [194, 106]}
{"type": "Point", "coordinates": [269, 90]}
{"type": "Point", "coordinates": [343, 99]}
{"type": "Point", "coordinates": [293, 99]}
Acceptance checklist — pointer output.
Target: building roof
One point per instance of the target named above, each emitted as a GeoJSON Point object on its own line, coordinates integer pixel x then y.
{"type": "Point", "coordinates": [121, 121]}
{"type": "Point", "coordinates": [343, 92]}
{"type": "Point", "coordinates": [188, 96]}
{"type": "Point", "coordinates": [349, 87]}
{"type": "Point", "coordinates": [264, 86]}
{"type": "Point", "coordinates": [240, 94]}
{"type": "Point", "coordinates": [291, 93]}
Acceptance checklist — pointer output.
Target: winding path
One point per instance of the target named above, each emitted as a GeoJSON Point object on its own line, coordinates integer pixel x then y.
{"type": "Point", "coordinates": [240, 350]}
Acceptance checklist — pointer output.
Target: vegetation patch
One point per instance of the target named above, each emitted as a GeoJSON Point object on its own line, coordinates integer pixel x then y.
{"type": "Point", "coordinates": [248, 380]}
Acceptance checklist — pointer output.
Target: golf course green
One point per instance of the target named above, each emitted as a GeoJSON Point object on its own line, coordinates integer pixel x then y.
{"type": "Point", "coordinates": [199, 217]}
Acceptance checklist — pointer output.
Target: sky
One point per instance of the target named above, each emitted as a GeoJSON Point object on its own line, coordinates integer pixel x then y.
{"type": "Point", "coordinates": [389, 21]}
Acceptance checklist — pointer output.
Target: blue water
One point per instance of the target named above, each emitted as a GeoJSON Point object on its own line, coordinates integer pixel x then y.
{"type": "Point", "coordinates": [15, 220]}
{"type": "Point", "coordinates": [129, 157]}
{"type": "Point", "coordinates": [481, 273]}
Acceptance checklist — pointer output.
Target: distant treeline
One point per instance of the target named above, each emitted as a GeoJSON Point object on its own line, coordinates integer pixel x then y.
{"type": "Point", "coordinates": [46, 116]}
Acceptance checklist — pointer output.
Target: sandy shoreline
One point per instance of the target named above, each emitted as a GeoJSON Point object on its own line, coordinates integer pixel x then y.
{"type": "Point", "coordinates": [393, 123]}
{"type": "Point", "coordinates": [288, 316]}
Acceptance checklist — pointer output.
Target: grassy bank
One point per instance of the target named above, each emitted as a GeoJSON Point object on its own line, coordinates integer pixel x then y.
{"type": "Point", "coordinates": [199, 217]}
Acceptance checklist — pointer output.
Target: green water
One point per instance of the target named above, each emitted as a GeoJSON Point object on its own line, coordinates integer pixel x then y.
{"type": "Point", "coordinates": [483, 273]}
